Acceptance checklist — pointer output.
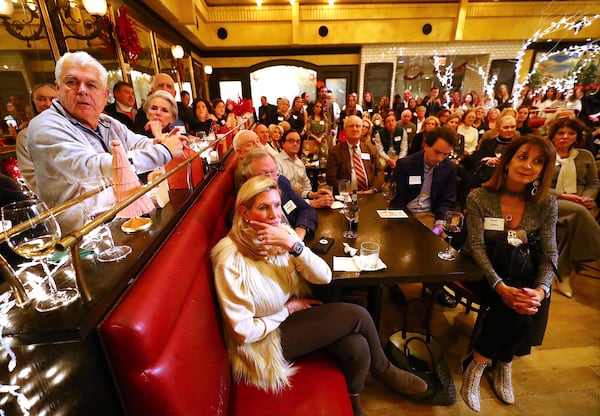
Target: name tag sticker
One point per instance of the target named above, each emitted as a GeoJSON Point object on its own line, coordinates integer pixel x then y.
{"type": "Point", "coordinates": [365, 156]}
{"type": "Point", "coordinates": [414, 180]}
{"type": "Point", "coordinates": [493, 224]}
{"type": "Point", "coordinates": [397, 138]}
{"type": "Point", "coordinates": [289, 206]}
{"type": "Point", "coordinates": [322, 122]}
{"type": "Point", "coordinates": [409, 130]}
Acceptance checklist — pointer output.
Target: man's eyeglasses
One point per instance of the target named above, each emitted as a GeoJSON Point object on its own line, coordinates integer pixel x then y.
{"type": "Point", "coordinates": [274, 174]}
{"type": "Point", "coordinates": [293, 141]}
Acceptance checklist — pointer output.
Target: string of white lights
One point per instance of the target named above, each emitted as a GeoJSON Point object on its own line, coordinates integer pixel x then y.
{"type": "Point", "coordinates": [574, 23]}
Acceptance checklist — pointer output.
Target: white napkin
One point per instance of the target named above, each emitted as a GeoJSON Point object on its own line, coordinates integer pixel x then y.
{"type": "Point", "coordinates": [336, 205]}
{"type": "Point", "coordinates": [353, 264]}
{"type": "Point", "coordinates": [392, 213]}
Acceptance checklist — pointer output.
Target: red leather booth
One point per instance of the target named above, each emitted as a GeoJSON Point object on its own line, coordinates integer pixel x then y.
{"type": "Point", "coordinates": [164, 343]}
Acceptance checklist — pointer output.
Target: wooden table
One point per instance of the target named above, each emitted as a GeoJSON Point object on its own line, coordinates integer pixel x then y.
{"type": "Point", "coordinates": [408, 248]}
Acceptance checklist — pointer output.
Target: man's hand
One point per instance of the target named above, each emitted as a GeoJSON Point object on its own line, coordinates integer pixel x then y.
{"type": "Point", "coordinates": [391, 163]}
{"type": "Point", "coordinates": [175, 142]}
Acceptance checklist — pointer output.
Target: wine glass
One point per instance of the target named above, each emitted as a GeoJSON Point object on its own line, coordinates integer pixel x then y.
{"type": "Point", "coordinates": [498, 151]}
{"type": "Point", "coordinates": [37, 243]}
{"type": "Point", "coordinates": [345, 189]}
{"type": "Point", "coordinates": [452, 225]}
{"type": "Point", "coordinates": [351, 211]}
{"type": "Point", "coordinates": [94, 207]}
{"type": "Point", "coordinates": [389, 193]}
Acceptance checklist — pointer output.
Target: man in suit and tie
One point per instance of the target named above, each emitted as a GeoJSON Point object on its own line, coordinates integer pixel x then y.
{"type": "Point", "coordinates": [354, 160]}
{"type": "Point", "coordinates": [123, 109]}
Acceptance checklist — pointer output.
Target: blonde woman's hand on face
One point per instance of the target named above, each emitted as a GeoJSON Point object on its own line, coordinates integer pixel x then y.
{"type": "Point", "coordinates": [271, 235]}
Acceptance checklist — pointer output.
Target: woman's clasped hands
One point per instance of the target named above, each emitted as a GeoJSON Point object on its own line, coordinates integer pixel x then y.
{"type": "Point", "coordinates": [524, 301]}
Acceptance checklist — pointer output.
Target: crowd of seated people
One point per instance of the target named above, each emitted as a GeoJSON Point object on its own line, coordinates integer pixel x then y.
{"type": "Point", "coordinates": [452, 147]}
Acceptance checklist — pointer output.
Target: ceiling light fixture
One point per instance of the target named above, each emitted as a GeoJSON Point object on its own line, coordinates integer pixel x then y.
{"type": "Point", "coordinates": [28, 26]}
{"type": "Point", "coordinates": [177, 51]}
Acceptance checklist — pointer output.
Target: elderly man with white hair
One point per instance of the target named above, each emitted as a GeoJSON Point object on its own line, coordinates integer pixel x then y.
{"type": "Point", "coordinates": [71, 140]}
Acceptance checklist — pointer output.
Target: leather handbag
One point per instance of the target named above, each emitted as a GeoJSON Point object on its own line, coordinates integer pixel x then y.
{"type": "Point", "coordinates": [420, 354]}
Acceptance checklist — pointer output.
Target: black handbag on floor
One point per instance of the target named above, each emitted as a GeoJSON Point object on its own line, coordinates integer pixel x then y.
{"type": "Point", "coordinates": [420, 354]}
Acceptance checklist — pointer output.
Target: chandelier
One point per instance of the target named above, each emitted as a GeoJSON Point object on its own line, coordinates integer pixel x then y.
{"type": "Point", "coordinates": [80, 19]}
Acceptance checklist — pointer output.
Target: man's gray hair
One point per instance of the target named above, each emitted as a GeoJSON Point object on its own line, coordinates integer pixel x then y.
{"type": "Point", "coordinates": [238, 138]}
{"type": "Point", "coordinates": [81, 59]}
{"type": "Point", "coordinates": [246, 162]}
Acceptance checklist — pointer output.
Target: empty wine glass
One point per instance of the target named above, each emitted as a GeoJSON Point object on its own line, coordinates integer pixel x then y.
{"type": "Point", "coordinates": [452, 225]}
{"type": "Point", "coordinates": [37, 242]}
{"type": "Point", "coordinates": [94, 207]}
{"type": "Point", "coordinates": [351, 211]}
{"type": "Point", "coordinates": [389, 193]}
{"type": "Point", "coordinates": [344, 189]}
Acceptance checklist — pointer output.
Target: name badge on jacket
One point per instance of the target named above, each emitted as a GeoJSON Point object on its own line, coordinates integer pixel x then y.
{"type": "Point", "coordinates": [493, 224]}
{"type": "Point", "coordinates": [397, 138]}
{"type": "Point", "coordinates": [289, 206]}
{"type": "Point", "coordinates": [365, 156]}
{"type": "Point", "coordinates": [414, 180]}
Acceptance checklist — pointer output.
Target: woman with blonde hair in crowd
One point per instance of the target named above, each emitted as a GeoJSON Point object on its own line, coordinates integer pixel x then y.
{"type": "Point", "coordinates": [492, 117]}
{"type": "Point", "coordinates": [262, 273]}
{"type": "Point", "coordinates": [275, 133]}
{"type": "Point", "coordinates": [503, 97]}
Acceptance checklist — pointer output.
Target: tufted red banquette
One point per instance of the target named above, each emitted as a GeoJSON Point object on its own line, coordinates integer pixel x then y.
{"type": "Point", "coordinates": [164, 341]}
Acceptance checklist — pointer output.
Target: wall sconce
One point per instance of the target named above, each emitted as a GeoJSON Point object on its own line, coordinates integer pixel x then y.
{"type": "Point", "coordinates": [177, 51]}
{"type": "Point", "coordinates": [208, 69]}
{"type": "Point", "coordinates": [31, 26]}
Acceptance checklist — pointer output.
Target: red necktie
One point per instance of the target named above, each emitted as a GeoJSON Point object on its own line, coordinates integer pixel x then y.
{"type": "Point", "coordinates": [359, 171]}
{"type": "Point", "coordinates": [129, 114]}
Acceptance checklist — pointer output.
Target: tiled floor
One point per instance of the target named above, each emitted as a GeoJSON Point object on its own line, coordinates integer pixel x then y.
{"type": "Point", "coordinates": [562, 377]}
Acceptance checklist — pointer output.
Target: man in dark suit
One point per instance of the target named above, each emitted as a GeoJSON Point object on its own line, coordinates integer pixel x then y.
{"type": "Point", "coordinates": [354, 160]}
{"type": "Point", "coordinates": [267, 113]}
{"type": "Point", "coordinates": [433, 103]}
{"type": "Point", "coordinates": [123, 109]}
{"type": "Point", "coordinates": [426, 185]}
{"type": "Point", "coordinates": [300, 216]}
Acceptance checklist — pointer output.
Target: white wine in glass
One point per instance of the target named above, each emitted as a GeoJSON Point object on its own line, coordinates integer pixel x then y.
{"type": "Point", "coordinates": [37, 243]}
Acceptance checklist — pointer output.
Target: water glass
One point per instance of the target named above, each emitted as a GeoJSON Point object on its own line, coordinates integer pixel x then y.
{"type": "Point", "coordinates": [369, 255]}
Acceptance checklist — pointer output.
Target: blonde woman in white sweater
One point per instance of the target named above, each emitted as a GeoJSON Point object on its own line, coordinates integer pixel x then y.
{"type": "Point", "coordinates": [261, 274]}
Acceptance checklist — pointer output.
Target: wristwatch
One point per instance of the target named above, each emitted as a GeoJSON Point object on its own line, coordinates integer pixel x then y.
{"type": "Point", "coordinates": [297, 249]}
